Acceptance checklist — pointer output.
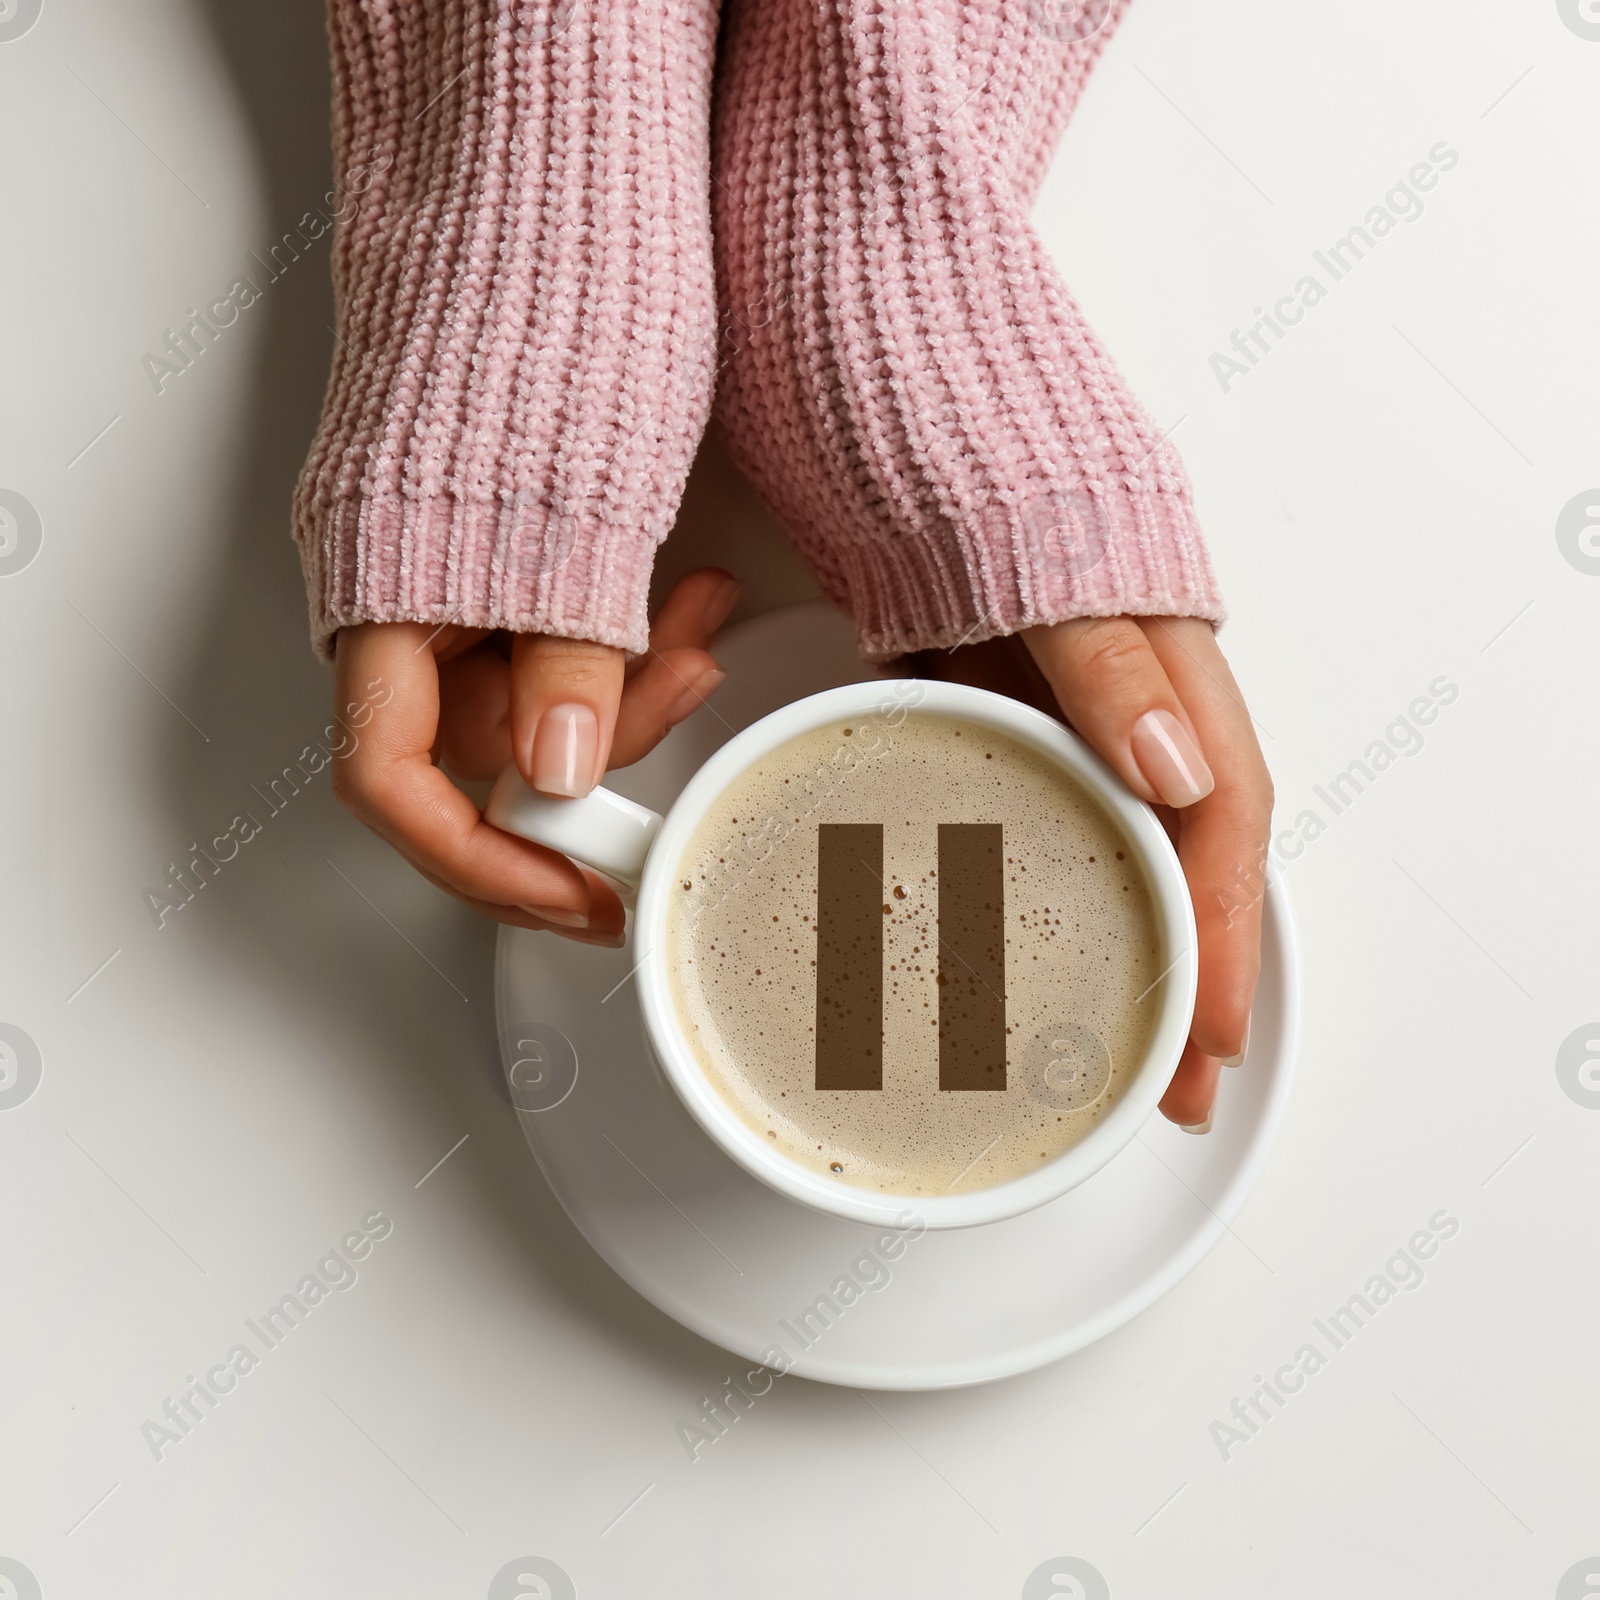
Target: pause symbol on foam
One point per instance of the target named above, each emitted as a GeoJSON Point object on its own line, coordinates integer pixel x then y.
{"type": "Point", "coordinates": [972, 956]}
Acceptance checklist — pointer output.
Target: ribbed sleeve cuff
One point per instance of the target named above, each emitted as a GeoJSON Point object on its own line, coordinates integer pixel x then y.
{"type": "Point", "coordinates": [483, 566]}
{"type": "Point", "coordinates": [1045, 555]}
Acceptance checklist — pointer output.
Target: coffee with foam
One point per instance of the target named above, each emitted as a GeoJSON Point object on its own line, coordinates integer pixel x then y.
{"type": "Point", "coordinates": [920, 959]}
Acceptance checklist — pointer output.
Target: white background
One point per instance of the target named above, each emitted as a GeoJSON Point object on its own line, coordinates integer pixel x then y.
{"type": "Point", "coordinates": [232, 1093]}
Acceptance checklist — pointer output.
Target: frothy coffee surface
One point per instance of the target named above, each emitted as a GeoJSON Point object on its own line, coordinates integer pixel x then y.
{"type": "Point", "coordinates": [1040, 947]}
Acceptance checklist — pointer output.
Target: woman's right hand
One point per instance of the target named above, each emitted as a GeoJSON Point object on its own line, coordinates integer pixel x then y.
{"type": "Point", "coordinates": [464, 701]}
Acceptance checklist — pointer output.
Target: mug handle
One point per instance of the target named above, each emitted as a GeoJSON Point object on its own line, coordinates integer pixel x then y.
{"type": "Point", "coordinates": [602, 830]}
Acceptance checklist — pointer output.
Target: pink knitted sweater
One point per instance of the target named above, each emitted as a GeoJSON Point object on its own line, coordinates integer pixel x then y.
{"type": "Point", "coordinates": [552, 252]}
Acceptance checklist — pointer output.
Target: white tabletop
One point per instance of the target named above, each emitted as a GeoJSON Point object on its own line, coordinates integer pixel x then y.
{"type": "Point", "coordinates": [225, 1098]}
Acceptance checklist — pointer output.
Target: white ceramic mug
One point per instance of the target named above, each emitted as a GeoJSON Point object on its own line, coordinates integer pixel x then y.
{"type": "Point", "coordinates": [641, 849]}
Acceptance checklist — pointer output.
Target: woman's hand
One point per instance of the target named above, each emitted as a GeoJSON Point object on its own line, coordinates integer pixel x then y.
{"type": "Point", "coordinates": [466, 702]}
{"type": "Point", "coordinates": [1155, 698]}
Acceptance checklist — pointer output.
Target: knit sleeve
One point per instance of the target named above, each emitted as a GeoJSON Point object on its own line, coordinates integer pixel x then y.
{"type": "Point", "coordinates": [525, 346]}
{"type": "Point", "coordinates": [904, 375]}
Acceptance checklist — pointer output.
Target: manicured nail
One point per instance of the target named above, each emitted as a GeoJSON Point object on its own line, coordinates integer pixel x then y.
{"type": "Point", "coordinates": [1170, 759]}
{"type": "Point", "coordinates": [695, 695]}
{"type": "Point", "coordinates": [720, 604]}
{"type": "Point", "coordinates": [1238, 1060]}
{"type": "Point", "coordinates": [566, 748]}
{"type": "Point", "coordinates": [562, 919]}
{"type": "Point", "coordinates": [1196, 1127]}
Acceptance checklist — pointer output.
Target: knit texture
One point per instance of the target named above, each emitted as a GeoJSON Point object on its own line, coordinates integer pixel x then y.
{"type": "Point", "coordinates": [903, 374]}
{"type": "Point", "coordinates": [526, 318]}
{"type": "Point", "coordinates": [529, 328]}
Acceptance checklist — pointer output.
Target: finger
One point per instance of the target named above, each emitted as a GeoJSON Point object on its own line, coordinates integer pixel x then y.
{"type": "Point", "coordinates": [451, 641]}
{"type": "Point", "coordinates": [608, 930]}
{"type": "Point", "coordinates": [564, 698]}
{"type": "Point", "coordinates": [1193, 1090]}
{"type": "Point", "coordinates": [671, 685]}
{"type": "Point", "coordinates": [677, 674]}
{"type": "Point", "coordinates": [1116, 693]}
{"type": "Point", "coordinates": [697, 606]}
{"type": "Point", "coordinates": [475, 714]}
{"type": "Point", "coordinates": [388, 779]}
{"type": "Point", "coordinates": [1222, 840]}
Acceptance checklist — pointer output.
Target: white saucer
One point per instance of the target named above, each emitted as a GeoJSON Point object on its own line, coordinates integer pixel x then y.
{"type": "Point", "coordinates": [732, 1260]}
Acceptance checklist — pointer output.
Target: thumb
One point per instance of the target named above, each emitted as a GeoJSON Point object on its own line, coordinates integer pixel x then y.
{"type": "Point", "coordinates": [564, 697]}
{"type": "Point", "coordinates": [1114, 690]}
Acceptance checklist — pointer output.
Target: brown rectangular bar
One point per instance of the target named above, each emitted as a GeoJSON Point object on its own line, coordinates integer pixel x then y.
{"type": "Point", "coordinates": [972, 956]}
{"type": "Point", "coordinates": [849, 955]}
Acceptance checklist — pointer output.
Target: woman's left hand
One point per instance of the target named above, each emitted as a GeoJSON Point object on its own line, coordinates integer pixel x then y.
{"type": "Point", "coordinates": [1155, 698]}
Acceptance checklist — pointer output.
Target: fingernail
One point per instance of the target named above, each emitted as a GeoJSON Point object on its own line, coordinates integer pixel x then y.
{"type": "Point", "coordinates": [695, 695]}
{"type": "Point", "coordinates": [1238, 1060]}
{"type": "Point", "coordinates": [1196, 1127]}
{"type": "Point", "coordinates": [565, 749]}
{"type": "Point", "coordinates": [1170, 759]}
{"type": "Point", "coordinates": [562, 919]}
{"type": "Point", "coordinates": [720, 604]}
